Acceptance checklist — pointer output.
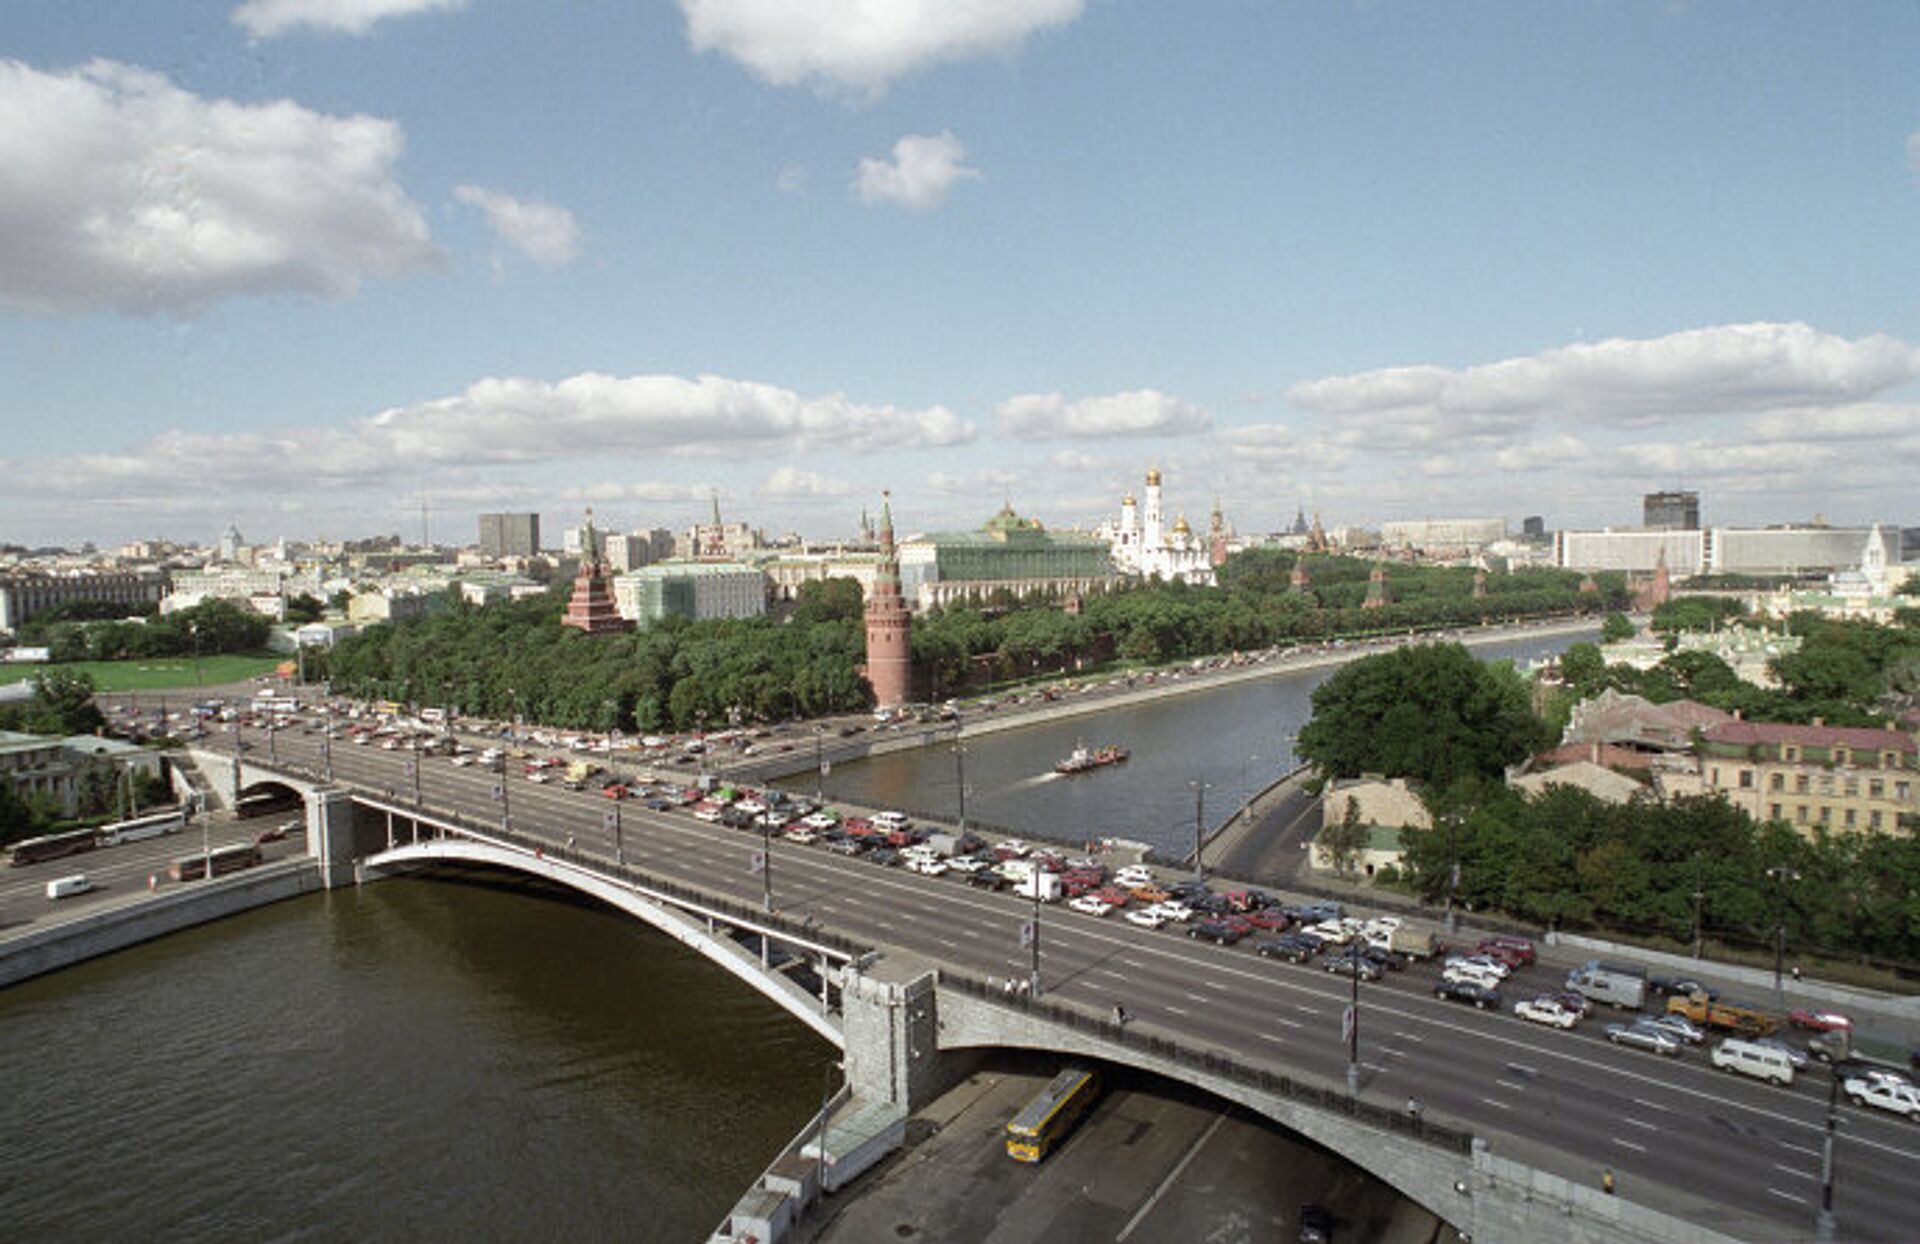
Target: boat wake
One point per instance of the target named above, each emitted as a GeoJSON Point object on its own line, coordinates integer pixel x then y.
{"type": "Point", "coordinates": [1035, 780]}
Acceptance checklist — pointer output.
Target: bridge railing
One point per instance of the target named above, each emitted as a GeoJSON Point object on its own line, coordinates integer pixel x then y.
{"type": "Point", "coordinates": [1417, 1127]}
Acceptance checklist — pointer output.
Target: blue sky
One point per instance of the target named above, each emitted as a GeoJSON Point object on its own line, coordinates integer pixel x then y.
{"type": "Point", "coordinates": [305, 265]}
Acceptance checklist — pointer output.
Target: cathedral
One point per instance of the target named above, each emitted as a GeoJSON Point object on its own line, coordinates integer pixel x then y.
{"type": "Point", "coordinates": [1144, 545]}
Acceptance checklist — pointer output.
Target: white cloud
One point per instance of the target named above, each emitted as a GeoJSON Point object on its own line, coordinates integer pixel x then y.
{"type": "Point", "coordinates": [519, 420]}
{"type": "Point", "coordinates": [1143, 412]}
{"type": "Point", "coordinates": [121, 190]}
{"type": "Point", "coordinates": [861, 46]}
{"type": "Point", "coordinates": [542, 232]}
{"type": "Point", "coordinates": [1727, 369]}
{"type": "Point", "coordinates": [791, 483]}
{"type": "Point", "coordinates": [921, 175]}
{"type": "Point", "coordinates": [264, 19]}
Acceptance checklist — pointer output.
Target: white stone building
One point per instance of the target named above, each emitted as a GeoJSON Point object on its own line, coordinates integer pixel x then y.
{"type": "Point", "coordinates": [1144, 544]}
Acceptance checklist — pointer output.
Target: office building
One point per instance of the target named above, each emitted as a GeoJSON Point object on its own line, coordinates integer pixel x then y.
{"type": "Point", "coordinates": [509, 535]}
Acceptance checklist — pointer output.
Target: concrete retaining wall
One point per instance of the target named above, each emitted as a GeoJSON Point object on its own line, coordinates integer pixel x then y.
{"type": "Point", "coordinates": [114, 928]}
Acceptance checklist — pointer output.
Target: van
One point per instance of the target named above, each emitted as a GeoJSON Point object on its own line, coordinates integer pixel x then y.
{"type": "Point", "coordinates": [1615, 984]}
{"type": "Point", "coordinates": [65, 887]}
{"type": "Point", "coordinates": [1759, 1061]}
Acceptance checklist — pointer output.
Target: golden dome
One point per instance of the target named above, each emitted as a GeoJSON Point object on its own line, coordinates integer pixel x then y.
{"type": "Point", "coordinates": [1128, 500]}
{"type": "Point", "coordinates": [1153, 478]}
{"type": "Point", "coordinates": [1180, 525]}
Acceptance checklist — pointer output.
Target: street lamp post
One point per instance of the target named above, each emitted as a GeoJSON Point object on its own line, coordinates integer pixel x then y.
{"type": "Point", "coordinates": [1824, 1224]}
{"type": "Point", "coordinates": [819, 765]}
{"type": "Point", "coordinates": [326, 755]}
{"type": "Point", "coordinates": [766, 865]}
{"type": "Point", "coordinates": [1453, 866]}
{"type": "Point", "coordinates": [1352, 1026]}
{"type": "Point", "coordinates": [1699, 897]}
{"type": "Point", "coordinates": [1033, 932]}
{"type": "Point", "coordinates": [1780, 875]}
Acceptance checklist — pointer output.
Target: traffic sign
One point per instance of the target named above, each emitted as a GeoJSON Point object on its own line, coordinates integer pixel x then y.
{"type": "Point", "coordinates": [610, 818]}
{"type": "Point", "coordinates": [1346, 1025]}
{"type": "Point", "coordinates": [1028, 931]}
{"type": "Point", "coordinates": [758, 863]}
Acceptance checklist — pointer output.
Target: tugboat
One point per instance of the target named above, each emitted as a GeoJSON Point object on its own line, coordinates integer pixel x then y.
{"type": "Point", "coordinates": [1081, 760]}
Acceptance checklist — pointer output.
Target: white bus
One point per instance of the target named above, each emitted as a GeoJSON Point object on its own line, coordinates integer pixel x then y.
{"type": "Point", "coordinates": [153, 825]}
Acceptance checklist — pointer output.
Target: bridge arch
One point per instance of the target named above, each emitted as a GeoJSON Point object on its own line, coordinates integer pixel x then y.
{"type": "Point", "coordinates": [706, 935]}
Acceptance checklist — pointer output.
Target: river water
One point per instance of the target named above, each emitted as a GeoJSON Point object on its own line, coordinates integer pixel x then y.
{"type": "Point", "coordinates": [417, 1060]}
{"type": "Point", "coordinates": [1232, 741]}
{"type": "Point", "coordinates": [457, 1058]}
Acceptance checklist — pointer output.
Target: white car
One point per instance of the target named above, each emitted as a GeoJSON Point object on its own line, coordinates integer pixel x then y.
{"type": "Point", "coordinates": [1133, 875]}
{"type": "Point", "coordinates": [820, 821]}
{"type": "Point", "coordinates": [752, 807]}
{"type": "Point", "coordinates": [890, 822]}
{"type": "Point", "coordinates": [1884, 1093]}
{"type": "Point", "coordinates": [1546, 1010]}
{"type": "Point", "coordinates": [1089, 905]}
{"type": "Point", "coordinates": [1486, 963]}
{"type": "Point", "coordinates": [800, 834]}
{"type": "Point", "coordinates": [1145, 917]}
{"type": "Point", "coordinates": [1174, 909]}
{"type": "Point", "coordinates": [1012, 846]}
{"type": "Point", "coordinates": [967, 864]}
{"type": "Point", "coordinates": [927, 865]}
{"type": "Point", "coordinates": [1330, 932]}
{"type": "Point", "coordinates": [1473, 973]}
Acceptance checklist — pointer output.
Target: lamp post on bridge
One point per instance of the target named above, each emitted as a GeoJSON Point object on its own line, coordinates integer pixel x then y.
{"type": "Point", "coordinates": [1780, 875]}
{"type": "Point", "coordinates": [1351, 1023]}
{"type": "Point", "coordinates": [819, 765]}
{"type": "Point", "coordinates": [1199, 828]}
{"type": "Point", "coordinates": [960, 780]}
{"type": "Point", "coordinates": [612, 822]}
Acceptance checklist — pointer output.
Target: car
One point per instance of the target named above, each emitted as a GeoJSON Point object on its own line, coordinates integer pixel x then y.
{"type": "Point", "coordinates": [886, 857]}
{"type": "Point", "coordinates": [967, 864]}
{"type": "Point", "coordinates": [1174, 909]}
{"type": "Point", "coordinates": [927, 865]}
{"type": "Point", "coordinates": [1480, 996]}
{"type": "Point", "coordinates": [1681, 986]}
{"type": "Point", "coordinates": [1090, 905]}
{"type": "Point", "coordinates": [1645, 1036]}
{"type": "Point", "coordinates": [1146, 917]}
{"type": "Point", "coordinates": [1680, 1026]}
{"type": "Point", "coordinates": [1289, 946]}
{"type": "Point", "coordinates": [1884, 1093]}
{"type": "Point", "coordinates": [1819, 1020]}
{"type": "Point", "coordinates": [1548, 1010]}
{"type": "Point", "coordinates": [1519, 947]}
{"type": "Point", "coordinates": [1219, 931]}
{"type": "Point", "coordinates": [1350, 964]}
{"type": "Point", "coordinates": [987, 879]}
{"type": "Point", "coordinates": [1483, 963]}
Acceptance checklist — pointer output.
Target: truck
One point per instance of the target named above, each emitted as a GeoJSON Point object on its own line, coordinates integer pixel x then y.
{"type": "Point", "coordinates": [1744, 1021]}
{"type": "Point", "coordinates": [1406, 940]}
{"type": "Point", "coordinates": [1844, 1046]}
{"type": "Point", "coordinates": [1621, 985]}
{"type": "Point", "coordinates": [1046, 883]}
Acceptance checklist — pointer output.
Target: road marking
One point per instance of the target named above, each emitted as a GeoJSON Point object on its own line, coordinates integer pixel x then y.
{"type": "Point", "coordinates": [1812, 1153]}
{"type": "Point", "coordinates": [1497, 1105]}
{"type": "Point", "coordinates": [1509, 1084]}
{"type": "Point", "coordinates": [1276, 1038]}
{"type": "Point", "coordinates": [1787, 1196]}
{"type": "Point", "coordinates": [1642, 1123]}
{"type": "Point", "coordinates": [1652, 1105]}
{"type": "Point", "coordinates": [1627, 1144]}
{"type": "Point", "coordinates": [975, 934]}
{"type": "Point", "coordinates": [948, 942]}
{"type": "Point", "coordinates": [1794, 1171]}
{"type": "Point", "coordinates": [1305, 1009]}
{"type": "Point", "coordinates": [1177, 1010]}
{"type": "Point", "coordinates": [1119, 976]}
{"type": "Point", "coordinates": [1281, 1020]}
{"type": "Point", "coordinates": [1166, 1183]}
{"type": "Point", "coordinates": [1414, 1037]}
{"type": "Point", "coordinates": [1195, 997]}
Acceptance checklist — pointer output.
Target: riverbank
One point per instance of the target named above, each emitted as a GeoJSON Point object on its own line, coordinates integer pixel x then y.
{"type": "Point", "coordinates": [103, 930]}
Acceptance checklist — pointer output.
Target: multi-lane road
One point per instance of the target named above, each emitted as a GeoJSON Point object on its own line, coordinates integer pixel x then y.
{"type": "Point", "coordinates": [1730, 1152]}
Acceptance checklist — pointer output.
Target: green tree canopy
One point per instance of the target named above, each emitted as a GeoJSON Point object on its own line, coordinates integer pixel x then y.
{"type": "Point", "coordinates": [1431, 713]}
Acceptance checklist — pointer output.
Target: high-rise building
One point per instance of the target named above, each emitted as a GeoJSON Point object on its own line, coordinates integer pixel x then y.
{"type": "Point", "coordinates": [509, 535]}
{"type": "Point", "coordinates": [1671, 511]}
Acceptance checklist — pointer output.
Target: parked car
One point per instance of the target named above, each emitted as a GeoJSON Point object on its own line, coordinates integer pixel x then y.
{"type": "Point", "coordinates": [1680, 1026]}
{"type": "Point", "coordinates": [1480, 996]}
{"type": "Point", "coordinates": [1222, 932]}
{"type": "Point", "coordinates": [1090, 905]}
{"type": "Point", "coordinates": [1351, 964]}
{"type": "Point", "coordinates": [1548, 1010]}
{"type": "Point", "coordinates": [1520, 947]}
{"type": "Point", "coordinates": [1146, 917]}
{"type": "Point", "coordinates": [1645, 1036]}
{"type": "Point", "coordinates": [1289, 946]}
{"type": "Point", "coordinates": [1884, 1093]}
{"type": "Point", "coordinates": [1819, 1020]}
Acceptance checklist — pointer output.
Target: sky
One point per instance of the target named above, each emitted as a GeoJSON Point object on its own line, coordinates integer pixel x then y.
{"type": "Point", "coordinates": [339, 268]}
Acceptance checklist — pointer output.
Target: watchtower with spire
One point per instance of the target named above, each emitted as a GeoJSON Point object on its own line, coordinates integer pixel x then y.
{"type": "Point", "coordinates": [889, 649]}
{"type": "Point", "coordinates": [591, 607]}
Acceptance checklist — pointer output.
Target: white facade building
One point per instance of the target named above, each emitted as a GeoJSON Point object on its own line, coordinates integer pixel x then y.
{"type": "Point", "coordinates": [1444, 533]}
{"type": "Point", "coordinates": [691, 590]}
{"type": "Point", "coordinates": [1143, 544]}
{"type": "Point", "coordinates": [1715, 550]}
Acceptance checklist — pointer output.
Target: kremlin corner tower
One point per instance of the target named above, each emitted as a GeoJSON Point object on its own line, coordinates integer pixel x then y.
{"type": "Point", "coordinates": [889, 653]}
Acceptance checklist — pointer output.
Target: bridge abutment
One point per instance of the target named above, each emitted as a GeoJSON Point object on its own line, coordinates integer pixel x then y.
{"type": "Point", "coordinates": [330, 841]}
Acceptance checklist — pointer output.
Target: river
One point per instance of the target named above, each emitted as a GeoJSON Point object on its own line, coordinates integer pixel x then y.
{"type": "Point", "coordinates": [1193, 757]}
{"type": "Point", "coordinates": [417, 1060]}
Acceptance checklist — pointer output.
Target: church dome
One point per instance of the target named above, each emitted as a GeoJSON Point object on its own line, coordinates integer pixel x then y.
{"type": "Point", "coordinates": [1153, 478]}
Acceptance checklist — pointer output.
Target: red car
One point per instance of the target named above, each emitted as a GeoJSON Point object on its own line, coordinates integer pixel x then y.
{"type": "Point", "coordinates": [1819, 1021]}
{"type": "Point", "coordinates": [615, 790]}
{"type": "Point", "coordinates": [1268, 918]}
{"type": "Point", "coordinates": [1113, 896]}
{"type": "Point", "coordinates": [1504, 946]}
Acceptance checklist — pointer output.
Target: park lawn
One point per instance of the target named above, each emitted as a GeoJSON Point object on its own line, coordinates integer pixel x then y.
{"type": "Point", "coordinates": [156, 674]}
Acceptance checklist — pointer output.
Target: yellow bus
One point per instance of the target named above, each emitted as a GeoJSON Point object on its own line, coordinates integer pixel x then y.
{"type": "Point", "coordinates": [1045, 1121]}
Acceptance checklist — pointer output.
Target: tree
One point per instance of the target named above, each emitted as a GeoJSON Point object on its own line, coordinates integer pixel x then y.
{"type": "Point", "coordinates": [1343, 840]}
{"type": "Point", "coordinates": [1431, 713]}
{"type": "Point", "coordinates": [1616, 628]}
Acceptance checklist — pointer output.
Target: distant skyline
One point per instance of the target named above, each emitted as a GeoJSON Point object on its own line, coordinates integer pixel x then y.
{"type": "Point", "coordinates": [304, 266]}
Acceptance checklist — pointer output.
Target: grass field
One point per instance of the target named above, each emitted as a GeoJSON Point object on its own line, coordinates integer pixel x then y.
{"type": "Point", "coordinates": [164, 674]}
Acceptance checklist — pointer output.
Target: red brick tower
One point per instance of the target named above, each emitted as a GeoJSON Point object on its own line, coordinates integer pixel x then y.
{"type": "Point", "coordinates": [1298, 579]}
{"type": "Point", "coordinates": [591, 607]}
{"type": "Point", "coordinates": [889, 654]}
{"type": "Point", "coordinates": [1480, 583]}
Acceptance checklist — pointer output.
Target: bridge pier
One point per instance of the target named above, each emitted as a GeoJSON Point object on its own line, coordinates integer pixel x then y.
{"type": "Point", "coordinates": [330, 817]}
